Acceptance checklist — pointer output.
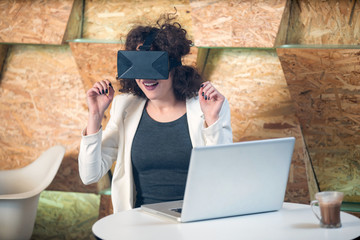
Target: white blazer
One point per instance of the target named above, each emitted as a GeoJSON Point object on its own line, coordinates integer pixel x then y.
{"type": "Point", "coordinates": [98, 151]}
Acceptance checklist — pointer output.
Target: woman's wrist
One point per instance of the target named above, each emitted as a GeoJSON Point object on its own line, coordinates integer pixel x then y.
{"type": "Point", "coordinates": [210, 120]}
{"type": "Point", "coordinates": [94, 124]}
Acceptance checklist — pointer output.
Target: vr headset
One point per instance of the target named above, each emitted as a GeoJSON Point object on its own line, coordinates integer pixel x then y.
{"type": "Point", "coordinates": [145, 64]}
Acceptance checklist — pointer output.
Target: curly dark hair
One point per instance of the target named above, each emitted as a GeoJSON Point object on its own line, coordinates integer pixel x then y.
{"type": "Point", "coordinates": [171, 37]}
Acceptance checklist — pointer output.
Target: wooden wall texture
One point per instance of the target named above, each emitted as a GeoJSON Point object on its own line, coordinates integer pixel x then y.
{"type": "Point", "coordinates": [330, 22]}
{"type": "Point", "coordinates": [3, 54]}
{"type": "Point", "coordinates": [325, 86]}
{"type": "Point", "coordinates": [112, 19]}
{"type": "Point", "coordinates": [42, 91]}
{"type": "Point", "coordinates": [39, 22]}
{"type": "Point", "coordinates": [235, 23]}
{"type": "Point", "coordinates": [41, 102]}
{"type": "Point", "coordinates": [322, 72]}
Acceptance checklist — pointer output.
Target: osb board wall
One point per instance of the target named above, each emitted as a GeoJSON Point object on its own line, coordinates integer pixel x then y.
{"type": "Point", "coordinates": [331, 22]}
{"type": "Point", "coordinates": [236, 23]}
{"type": "Point", "coordinates": [112, 19]}
{"type": "Point", "coordinates": [96, 61]}
{"type": "Point", "coordinates": [325, 86]}
{"type": "Point", "coordinates": [284, 25]}
{"type": "Point", "coordinates": [38, 22]}
{"type": "Point", "coordinates": [261, 107]}
{"type": "Point", "coordinates": [42, 102]}
{"type": "Point", "coordinates": [75, 22]}
{"type": "Point", "coordinates": [3, 53]}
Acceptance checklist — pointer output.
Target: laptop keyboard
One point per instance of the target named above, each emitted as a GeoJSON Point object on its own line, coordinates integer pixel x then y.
{"type": "Point", "coordinates": [178, 210]}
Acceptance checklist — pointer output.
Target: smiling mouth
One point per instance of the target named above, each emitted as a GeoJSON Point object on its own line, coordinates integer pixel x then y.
{"type": "Point", "coordinates": [150, 84]}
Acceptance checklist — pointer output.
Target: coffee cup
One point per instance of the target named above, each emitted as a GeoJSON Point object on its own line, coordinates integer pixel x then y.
{"type": "Point", "coordinates": [329, 203]}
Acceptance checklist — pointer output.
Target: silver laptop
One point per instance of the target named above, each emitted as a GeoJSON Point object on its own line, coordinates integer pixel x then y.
{"type": "Point", "coordinates": [231, 180]}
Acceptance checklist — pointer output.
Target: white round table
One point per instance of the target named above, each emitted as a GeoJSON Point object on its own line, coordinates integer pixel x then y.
{"type": "Point", "coordinates": [293, 221]}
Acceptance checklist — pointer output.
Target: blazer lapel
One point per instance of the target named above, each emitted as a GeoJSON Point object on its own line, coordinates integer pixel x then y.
{"type": "Point", "coordinates": [132, 118]}
{"type": "Point", "coordinates": [195, 119]}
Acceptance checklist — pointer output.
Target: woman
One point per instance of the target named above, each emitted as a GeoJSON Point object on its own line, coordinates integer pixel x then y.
{"type": "Point", "coordinates": [153, 126]}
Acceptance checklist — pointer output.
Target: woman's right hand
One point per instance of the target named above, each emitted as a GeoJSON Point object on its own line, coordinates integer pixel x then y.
{"type": "Point", "coordinates": [99, 98]}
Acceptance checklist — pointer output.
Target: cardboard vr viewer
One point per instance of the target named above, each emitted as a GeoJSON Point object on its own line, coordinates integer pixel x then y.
{"type": "Point", "coordinates": [143, 65]}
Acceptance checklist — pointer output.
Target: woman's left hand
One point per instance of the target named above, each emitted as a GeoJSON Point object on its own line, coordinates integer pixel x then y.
{"type": "Point", "coordinates": [211, 101]}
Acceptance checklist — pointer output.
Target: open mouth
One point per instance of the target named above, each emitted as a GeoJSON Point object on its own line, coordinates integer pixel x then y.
{"type": "Point", "coordinates": [150, 84]}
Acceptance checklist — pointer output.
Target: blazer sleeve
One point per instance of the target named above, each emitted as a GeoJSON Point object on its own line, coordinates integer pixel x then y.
{"type": "Point", "coordinates": [98, 151]}
{"type": "Point", "coordinates": [219, 132]}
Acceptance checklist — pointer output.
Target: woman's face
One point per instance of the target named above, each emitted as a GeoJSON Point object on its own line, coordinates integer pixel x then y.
{"type": "Point", "coordinates": [157, 89]}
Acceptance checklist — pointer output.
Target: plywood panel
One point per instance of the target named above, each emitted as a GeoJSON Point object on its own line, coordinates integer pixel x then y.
{"type": "Point", "coordinates": [203, 54]}
{"type": "Point", "coordinates": [96, 61]}
{"type": "Point", "coordinates": [112, 19]}
{"type": "Point", "coordinates": [38, 22]}
{"type": "Point", "coordinates": [42, 102]}
{"type": "Point", "coordinates": [3, 53]}
{"type": "Point", "coordinates": [331, 22]}
{"type": "Point", "coordinates": [236, 23]}
{"type": "Point", "coordinates": [106, 207]}
{"type": "Point", "coordinates": [325, 86]}
{"type": "Point", "coordinates": [281, 37]}
{"type": "Point", "coordinates": [75, 22]}
{"type": "Point", "coordinates": [261, 107]}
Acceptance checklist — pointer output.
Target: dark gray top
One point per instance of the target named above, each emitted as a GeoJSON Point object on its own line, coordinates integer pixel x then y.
{"type": "Point", "coordinates": [160, 156]}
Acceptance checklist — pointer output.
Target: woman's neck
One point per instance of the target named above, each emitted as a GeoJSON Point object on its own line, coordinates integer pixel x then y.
{"type": "Point", "coordinates": [165, 111]}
